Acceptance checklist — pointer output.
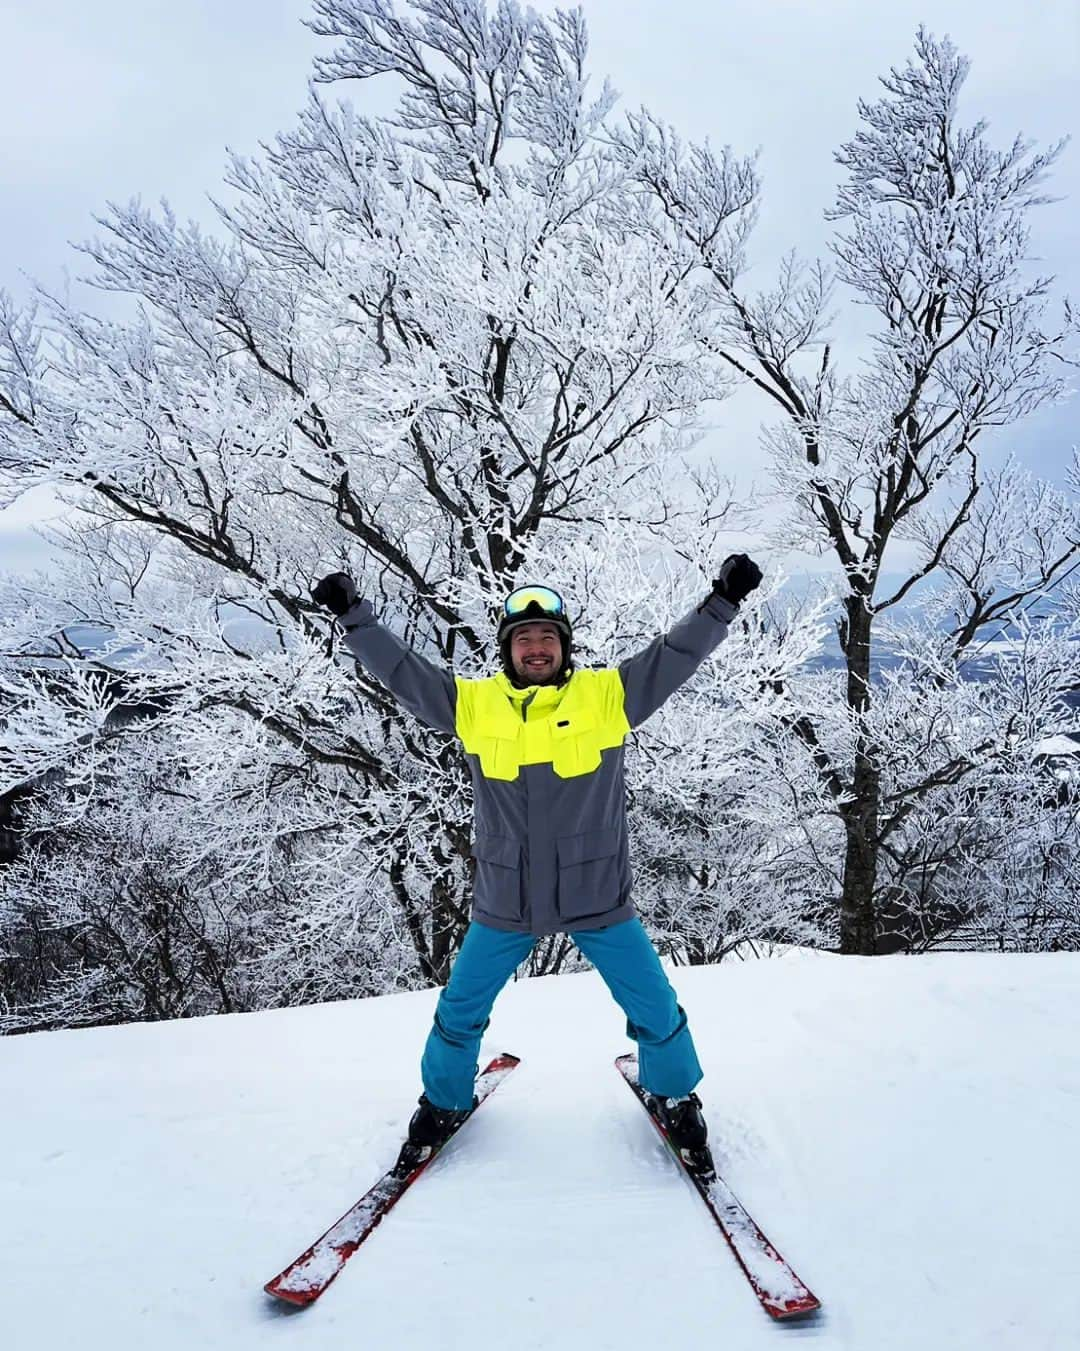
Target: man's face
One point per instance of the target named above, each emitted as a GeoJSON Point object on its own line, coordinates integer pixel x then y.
{"type": "Point", "coordinates": [536, 652]}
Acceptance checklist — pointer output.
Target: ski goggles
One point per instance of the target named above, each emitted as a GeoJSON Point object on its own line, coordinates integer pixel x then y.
{"type": "Point", "coordinates": [519, 600]}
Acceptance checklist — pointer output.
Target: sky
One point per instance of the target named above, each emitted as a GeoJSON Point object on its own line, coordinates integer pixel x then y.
{"type": "Point", "coordinates": [141, 98]}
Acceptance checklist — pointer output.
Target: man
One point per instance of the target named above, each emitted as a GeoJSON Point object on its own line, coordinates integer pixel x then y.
{"type": "Point", "coordinates": [544, 743]}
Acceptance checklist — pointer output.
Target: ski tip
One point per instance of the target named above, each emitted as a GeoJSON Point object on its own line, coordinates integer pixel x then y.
{"type": "Point", "coordinates": [295, 1299]}
{"type": "Point", "coordinates": [503, 1061]}
{"type": "Point", "coordinates": [803, 1307]}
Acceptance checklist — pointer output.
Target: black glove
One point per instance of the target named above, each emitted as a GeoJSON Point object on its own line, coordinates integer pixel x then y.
{"type": "Point", "coordinates": [336, 591]}
{"type": "Point", "coordinates": [739, 575]}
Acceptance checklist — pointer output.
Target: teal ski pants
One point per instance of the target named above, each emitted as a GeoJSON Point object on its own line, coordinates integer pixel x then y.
{"type": "Point", "coordinates": [629, 966]}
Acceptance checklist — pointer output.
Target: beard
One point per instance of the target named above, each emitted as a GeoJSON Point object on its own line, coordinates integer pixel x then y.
{"type": "Point", "coordinates": [541, 674]}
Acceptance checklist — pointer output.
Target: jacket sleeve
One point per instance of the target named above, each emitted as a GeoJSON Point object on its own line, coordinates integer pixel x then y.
{"type": "Point", "coordinates": [416, 683]}
{"type": "Point", "coordinates": [654, 674]}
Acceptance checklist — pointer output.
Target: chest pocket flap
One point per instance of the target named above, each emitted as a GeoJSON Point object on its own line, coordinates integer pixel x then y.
{"type": "Point", "coordinates": [575, 742]}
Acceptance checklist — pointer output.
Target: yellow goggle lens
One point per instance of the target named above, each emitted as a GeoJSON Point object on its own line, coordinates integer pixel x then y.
{"type": "Point", "coordinates": [517, 602]}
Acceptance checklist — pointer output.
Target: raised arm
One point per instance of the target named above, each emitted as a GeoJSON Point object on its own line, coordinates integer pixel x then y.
{"type": "Point", "coordinates": [426, 690]}
{"type": "Point", "coordinates": [654, 674]}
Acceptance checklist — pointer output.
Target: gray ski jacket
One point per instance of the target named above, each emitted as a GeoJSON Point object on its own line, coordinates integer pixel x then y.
{"type": "Point", "coordinates": [550, 837]}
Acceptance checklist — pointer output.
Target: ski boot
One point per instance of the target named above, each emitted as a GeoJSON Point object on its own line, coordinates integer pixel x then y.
{"type": "Point", "coordinates": [684, 1123]}
{"type": "Point", "coordinates": [429, 1130]}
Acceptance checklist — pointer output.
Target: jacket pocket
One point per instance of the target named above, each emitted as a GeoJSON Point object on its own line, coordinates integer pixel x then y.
{"type": "Point", "coordinates": [590, 873]}
{"type": "Point", "coordinates": [500, 757]}
{"type": "Point", "coordinates": [575, 744]}
{"type": "Point", "coordinates": [498, 884]}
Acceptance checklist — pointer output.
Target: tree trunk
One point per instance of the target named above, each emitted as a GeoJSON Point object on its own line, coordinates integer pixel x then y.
{"type": "Point", "coordinates": [858, 915]}
{"type": "Point", "coordinates": [858, 912]}
{"type": "Point", "coordinates": [446, 931]}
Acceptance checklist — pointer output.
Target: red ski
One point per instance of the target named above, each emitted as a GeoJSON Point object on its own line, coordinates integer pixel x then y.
{"type": "Point", "coordinates": [303, 1281]}
{"type": "Point", "coordinates": [779, 1290]}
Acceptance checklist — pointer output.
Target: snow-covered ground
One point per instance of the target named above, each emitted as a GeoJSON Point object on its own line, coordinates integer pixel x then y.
{"type": "Point", "coordinates": [905, 1130]}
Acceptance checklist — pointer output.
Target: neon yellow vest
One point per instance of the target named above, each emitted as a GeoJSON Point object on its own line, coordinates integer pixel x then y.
{"type": "Point", "coordinates": [565, 727]}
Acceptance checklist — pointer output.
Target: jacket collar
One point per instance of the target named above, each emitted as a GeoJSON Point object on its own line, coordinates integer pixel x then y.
{"type": "Point", "coordinates": [538, 696]}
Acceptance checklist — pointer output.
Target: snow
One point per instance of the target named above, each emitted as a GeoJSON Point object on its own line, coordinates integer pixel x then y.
{"type": "Point", "coordinates": [1058, 745]}
{"type": "Point", "coordinates": [903, 1129]}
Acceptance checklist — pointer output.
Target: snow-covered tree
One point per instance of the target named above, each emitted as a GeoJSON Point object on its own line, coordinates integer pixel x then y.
{"type": "Point", "coordinates": [461, 346]}
{"type": "Point", "coordinates": [436, 349]}
{"type": "Point", "coordinates": [932, 242]}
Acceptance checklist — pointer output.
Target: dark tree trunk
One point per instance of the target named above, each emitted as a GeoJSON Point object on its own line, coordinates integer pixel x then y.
{"type": "Point", "coordinates": [858, 911]}
{"type": "Point", "coordinates": [858, 915]}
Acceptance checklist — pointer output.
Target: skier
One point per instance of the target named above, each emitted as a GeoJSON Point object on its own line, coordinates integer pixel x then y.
{"type": "Point", "coordinates": [544, 743]}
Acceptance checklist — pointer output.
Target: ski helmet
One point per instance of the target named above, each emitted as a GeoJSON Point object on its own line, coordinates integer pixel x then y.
{"type": "Point", "coordinates": [534, 605]}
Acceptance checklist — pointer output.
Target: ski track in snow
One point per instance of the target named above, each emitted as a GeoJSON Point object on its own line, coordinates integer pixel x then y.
{"type": "Point", "coordinates": [903, 1130]}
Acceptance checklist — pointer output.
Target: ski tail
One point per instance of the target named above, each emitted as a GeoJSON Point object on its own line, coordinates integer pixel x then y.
{"type": "Point", "coordinates": [304, 1280]}
{"type": "Point", "coordinates": [779, 1291]}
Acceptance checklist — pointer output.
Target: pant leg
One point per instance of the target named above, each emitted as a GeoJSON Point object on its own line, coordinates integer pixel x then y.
{"type": "Point", "coordinates": [627, 961]}
{"type": "Point", "coordinates": [487, 960]}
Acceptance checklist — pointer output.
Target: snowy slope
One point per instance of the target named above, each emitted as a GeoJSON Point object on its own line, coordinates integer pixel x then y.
{"type": "Point", "coordinates": [904, 1129]}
